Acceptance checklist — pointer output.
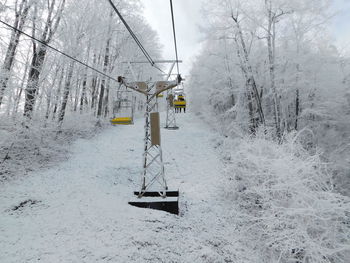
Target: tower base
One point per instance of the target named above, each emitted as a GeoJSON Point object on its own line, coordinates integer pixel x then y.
{"type": "Point", "coordinates": [154, 200]}
{"type": "Point", "coordinates": [171, 128]}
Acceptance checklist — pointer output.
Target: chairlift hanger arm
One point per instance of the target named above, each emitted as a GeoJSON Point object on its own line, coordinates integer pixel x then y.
{"type": "Point", "coordinates": [168, 85]}
{"type": "Point", "coordinates": [162, 86]}
{"type": "Point", "coordinates": [135, 86]}
{"type": "Point", "coordinates": [142, 87]}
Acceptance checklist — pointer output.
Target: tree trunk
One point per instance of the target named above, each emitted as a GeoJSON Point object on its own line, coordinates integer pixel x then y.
{"type": "Point", "coordinates": [21, 16]}
{"type": "Point", "coordinates": [49, 95]}
{"type": "Point", "coordinates": [39, 54]}
{"type": "Point", "coordinates": [271, 55]}
{"type": "Point", "coordinates": [83, 93]}
{"type": "Point", "coordinates": [106, 110]}
{"type": "Point", "coordinates": [33, 80]}
{"type": "Point", "coordinates": [297, 95]}
{"type": "Point", "coordinates": [297, 108]}
{"type": "Point", "coordinates": [20, 89]}
{"type": "Point", "coordinates": [103, 82]}
{"type": "Point", "coordinates": [66, 93]}
{"type": "Point", "coordinates": [94, 85]}
{"type": "Point", "coordinates": [58, 94]}
{"type": "Point", "coordinates": [252, 93]}
{"type": "Point", "coordinates": [76, 96]}
{"type": "Point", "coordinates": [100, 101]}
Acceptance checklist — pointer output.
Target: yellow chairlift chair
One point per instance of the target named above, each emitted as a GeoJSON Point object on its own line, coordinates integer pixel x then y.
{"type": "Point", "coordinates": [123, 109]}
{"type": "Point", "coordinates": [180, 103]}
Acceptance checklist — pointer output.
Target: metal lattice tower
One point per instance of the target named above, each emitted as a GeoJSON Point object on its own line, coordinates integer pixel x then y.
{"type": "Point", "coordinates": [153, 165]}
{"type": "Point", "coordinates": [170, 113]}
{"type": "Point", "coordinates": [170, 110]}
{"type": "Point", "coordinates": [152, 178]}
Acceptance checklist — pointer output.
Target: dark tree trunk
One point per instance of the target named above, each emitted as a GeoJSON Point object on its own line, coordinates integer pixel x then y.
{"type": "Point", "coordinates": [58, 94]}
{"type": "Point", "coordinates": [83, 93]}
{"type": "Point", "coordinates": [106, 110]}
{"type": "Point", "coordinates": [253, 93]}
{"type": "Point", "coordinates": [76, 97]}
{"type": "Point", "coordinates": [33, 80]}
{"type": "Point", "coordinates": [83, 98]}
{"type": "Point", "coordinates": [297, 108]}
{"type": "Point", "coordinates": [39, 54]}
{"type": "Point", "coordinates": [66, 93]}
{"type": "Point", "coordinates": [94, 86]}
{"type": "Point", "coordinates": [103, 82]}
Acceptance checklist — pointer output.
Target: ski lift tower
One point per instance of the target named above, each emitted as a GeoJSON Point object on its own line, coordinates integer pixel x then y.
{"type": "Point", "coordinates": [170, 122]}
{"type": "Point", "coordinates": [154, 192]}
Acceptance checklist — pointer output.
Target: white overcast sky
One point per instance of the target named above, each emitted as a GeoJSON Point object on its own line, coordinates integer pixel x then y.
{"type": "Point", "coordinates": [341, 25]}
{"type": "Point", "coordinates": [188, 18]}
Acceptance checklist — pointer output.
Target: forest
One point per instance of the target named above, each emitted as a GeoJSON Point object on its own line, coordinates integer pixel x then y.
{"type": "Point", "coordinates": [269, 82]}
{"type": "Point", "coordinates": [46, 92]}
{"type": "Point", "coordinates": [275, 67]}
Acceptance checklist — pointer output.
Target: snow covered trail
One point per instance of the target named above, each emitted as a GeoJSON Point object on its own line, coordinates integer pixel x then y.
{"type": "Point", "coordinates": [79, 213]}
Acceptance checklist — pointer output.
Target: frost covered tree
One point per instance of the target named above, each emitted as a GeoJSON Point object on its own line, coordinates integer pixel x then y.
{"type": "Point", "coordinates": [49, 92]}
{"type": "Point", "coordinates": [80, 32]}
{"type": "Point", "coordinates": [285, 199]}
{"type": "Point", "coordinates": [274, 45]}
{"type": "Point", "coordinates": [21, 9]}
{"type": "Point", "coordinates": [52, 17]}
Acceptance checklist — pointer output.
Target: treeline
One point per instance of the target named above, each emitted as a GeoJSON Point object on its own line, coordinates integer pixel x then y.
{"type": "Point", "coordinates": [271, 64]}
{"type": "Point", "coordinates": [37, 83]}
{"type": "Point", "coordinates": [271, 80]}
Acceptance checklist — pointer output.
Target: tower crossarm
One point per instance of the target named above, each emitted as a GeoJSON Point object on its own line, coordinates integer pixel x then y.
{"type": "Point", "coordinates": [146, 89]}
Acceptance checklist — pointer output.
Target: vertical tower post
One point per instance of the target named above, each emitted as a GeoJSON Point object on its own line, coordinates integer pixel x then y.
{"type": "Point", "coordinates": [153, 178]}
{"type": "Point", "coordinates": [154, 191]}
{"type": "Point", "coordinates": [170, 113]}
{"type": "Point", "coordinates": [170, 110]}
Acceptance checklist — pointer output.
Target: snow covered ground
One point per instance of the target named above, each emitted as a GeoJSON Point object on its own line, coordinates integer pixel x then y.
{"type": "Point", "coordinates": [78, 211]}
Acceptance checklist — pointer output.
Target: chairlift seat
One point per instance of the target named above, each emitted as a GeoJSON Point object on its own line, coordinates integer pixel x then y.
{"type": "Point", "coordinates": [179, 104]}
{"type": "Point", "coordinates": [122, 121]}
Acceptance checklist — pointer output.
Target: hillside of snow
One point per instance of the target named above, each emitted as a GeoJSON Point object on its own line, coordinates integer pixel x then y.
{"type": "Point", "coordinates": [257, 203]}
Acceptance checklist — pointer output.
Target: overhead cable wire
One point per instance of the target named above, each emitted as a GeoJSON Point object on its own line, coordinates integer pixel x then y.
{"type": "Point", "coordinates": [59, 51]}
{"type": "Point", "coordinates": [144, 51]}
{"type": "Point", "coordinates": [173, 21]}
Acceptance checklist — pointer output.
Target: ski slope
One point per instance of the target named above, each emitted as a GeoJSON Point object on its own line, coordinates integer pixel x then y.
{"type": "Point", "coordinates": [79, 213]}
